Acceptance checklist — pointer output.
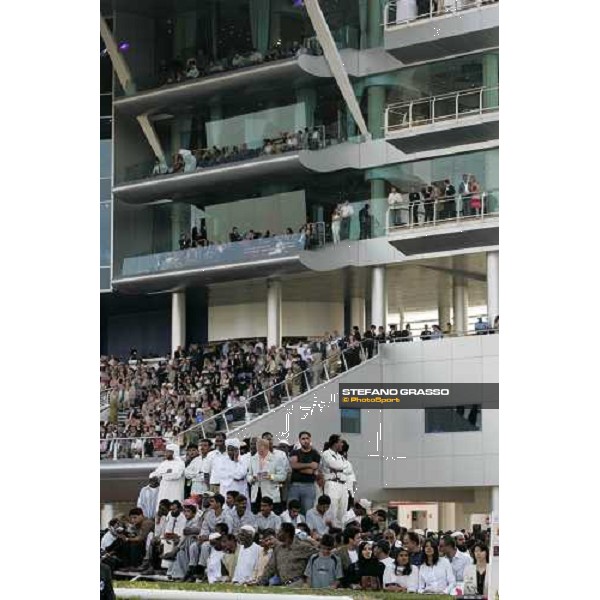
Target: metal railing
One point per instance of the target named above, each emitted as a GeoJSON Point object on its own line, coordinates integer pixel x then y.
{"type": "Point", "coordinates": [131, 447]}
{"type": "Point", "coordinates": [443, 210]}
{"type": "Point", "coordinates": [442, 108]}
{"type": "Point", "coordinates": [403, 12]}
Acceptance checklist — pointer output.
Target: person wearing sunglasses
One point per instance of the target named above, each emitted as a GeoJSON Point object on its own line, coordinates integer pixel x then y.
{"type": "Point", "coordinates": [404, 577]}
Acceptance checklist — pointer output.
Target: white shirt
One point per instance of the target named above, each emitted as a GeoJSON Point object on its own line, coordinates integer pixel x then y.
{"type": "Point", "coordinates": [459, 562]}
{"type": "Point", "coordinates": [233, 477]}
{"type": "Point", "coordinates": [389, 565]}
{"type": "Point", "coordinates": [175, 524]}
{"type": "Point", "coordinates": [436, 579]}
{"type": "Point", "coordinates": [410, 582]}
{"type": "Point", "coordinates": [285, 518]}
{"type": "Point", "coordinates": [147, 501]}
{"type": "Point", "coordinates": [394, 198]}
{"type": "Point", "coordinates": [333, 460]}
{"type": "Point", "coordinates": [195, 472]}
{"type": "Point", "coordinates": [213, 565]}
{"type": "Point", "coordinates": [246, 563]}
{"type": "Point", "coordinates": [283, 459]}
{"type": "Point", "coordinates": [353, 555]}
{"type": "Point", "coordinates": [213, 465]}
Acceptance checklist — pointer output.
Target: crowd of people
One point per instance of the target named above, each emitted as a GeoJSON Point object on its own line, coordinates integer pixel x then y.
{"type": "Point", "coordinates": [407, 10]}
{"type": "Point", "coordinates": [177, 71]}
{"type": "Point", "coordinates": [253, 512]}
{"type": "Point", "coordinates": [439, 201]}
{"type": "Point", "coordinates": [186, 161]}
{"type": "Point", "coordinates": [163, 400]}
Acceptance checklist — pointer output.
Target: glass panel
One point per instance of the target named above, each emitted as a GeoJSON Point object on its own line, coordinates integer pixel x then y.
{"type": "Point", "coordinates": [105, 278]}
{"type": "Point", "coordinates": [105, 105]}
{"type": "Point", "coordinates": [105, 220]}
{"type": "Point", "coordinates": [217, 254]}
{"type": "Point", "coordinates": [105, 159]}
{"type": "Point", "coordinates": [453, 420]}
{"type": "Point", "coordinates": [350, 420]}
{"type": "Point", "coordinates": [106, 128]}
{"type": "Point", "coordinates": [105, 189]}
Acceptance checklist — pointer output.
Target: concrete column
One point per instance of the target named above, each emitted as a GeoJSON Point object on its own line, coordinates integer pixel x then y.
{"type": "Point", "coordinates": [177, 320]}
{"type": "Point", "coordinates": [378, 205]}
{"type": "Point", "coordinates": [447, 516]}
{"type": "Point", "coordinates": [444, 300]}
{"type": "Point", "coordinates": [495, 500]}
{"type": "Point", "coordinates": [357, 313]}
{"type": "Point", "coordinates": [378, 297]}
{"type": "Point", "coordinates": [376, 111]}
{"type": "Point", "coordinates": [375, 19]}
{"type": "Point", "coordinates": [273, 312]}
{"type": "Point", "coordinates": [461, 304]}
{"type": "Point", "coordinates": [493, 289]}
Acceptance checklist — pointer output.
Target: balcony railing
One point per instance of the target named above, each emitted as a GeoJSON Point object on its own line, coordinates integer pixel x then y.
{"type": "Point", "coordinates": [403, 12]}
{"type": "Point", "coordinates": [441, 109]}
{"type": "Point", "coordinates": [245, 251]}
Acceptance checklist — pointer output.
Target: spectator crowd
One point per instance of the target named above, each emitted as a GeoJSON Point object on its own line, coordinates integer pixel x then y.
{"type": "Point", "coordinates": [255, 512]}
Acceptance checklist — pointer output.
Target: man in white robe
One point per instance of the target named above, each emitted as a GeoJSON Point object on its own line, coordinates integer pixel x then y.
{"type": "Point", "coordinates": [171, 473]}
{"type": "Point", "coordinates": [248, 557]}
{"type": "Point", "coordinates": [148, 498]}
{"type": "Point", "coordinates": [233, 470]}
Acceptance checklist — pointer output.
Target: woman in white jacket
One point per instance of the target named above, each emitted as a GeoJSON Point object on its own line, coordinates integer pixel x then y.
{"type": "Point", "coordinates": [435, 574]}
{"type": "Point", "coordinates": [475, 579]}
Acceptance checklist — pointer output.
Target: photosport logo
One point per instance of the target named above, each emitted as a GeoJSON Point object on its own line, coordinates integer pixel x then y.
{"type": "Point", "coordinates": [415, 395]}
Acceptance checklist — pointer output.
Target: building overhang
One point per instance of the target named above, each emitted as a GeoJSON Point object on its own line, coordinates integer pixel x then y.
{"type": "Point", "coordinates": [235, 176]}
{"type": "Point", "coordinates": [454, 33]}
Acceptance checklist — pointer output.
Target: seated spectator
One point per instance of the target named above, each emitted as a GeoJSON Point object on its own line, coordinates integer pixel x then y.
{"type": "Point", "coordinates": [435, 574]}
{"type": "Point", "coordinates": [426, 333]}
{"type": "Point", "coordinates": [160, 167]}
{"type": "Point", "coordinates": [235, 236]}
{"type": "Point", "coordinates": [369, 569]}
{"type": "Point", "coordinates": [436, 332]}
{"type": "Point", "coordinates": [134, 538]}
{"type": "Point", "coordinates": [214, 565]}
{"type": "Point", "coordinates": [389, 535]}
{"type": "Point", "coordinates": [249, 556]}
{"type": "Point", "coordinates": [231, 551]}
{"type": "Point", "coordinates": [348, 554]}
{"type": "Point", "coordinates": [481, 327]}
{"type": "Point", "coordinates": [475, 576]}
{"type": "Point", "coordinates": [457, 559]}
{"type": "Point", "coordinates": [266, 518]}
{"type": "Point", "coordinates": [292, 514]}
{"type": "Point", "coordinates": [192, 71]}
{"type": "Point", "coordinates": [255, 57]}
{"type": "Point", "coordinates": [267, 543]}
{"type": "Point", "coordinates": [412, 542]}
{"type": "Point", "coordinates": [242, 515]}
{"type": "Point", "coordinates": [288, 561]}
{"type": "Point", "coordinates": [381, 551]}
{"type": "Point", "coordinates": [180, 568]}
{"type": "Point", "coordinates": [324, 570]}
{"type": "Point", "coordinates": [320, 519]}
{"type": "Point", "coordinates": [404, 577]}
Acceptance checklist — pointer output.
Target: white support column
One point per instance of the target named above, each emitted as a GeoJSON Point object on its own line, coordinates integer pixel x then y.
{"type": "Point", "coordinates": [495, 502]}
{"type": "Point", "coordinates": [461, 304]}
{"type": "Point", "coordinates": [273, 312]}
{"type": "Point", "coordinates": [357, 313]}
{"type": "Point", "coordinates": [444, 300]}
{"type": "Point", "coordinates": [177, 320]}
{"type": "Point", "coordinates": [493, 288]}
{"type": "Point", "coordinates": [378, 297]}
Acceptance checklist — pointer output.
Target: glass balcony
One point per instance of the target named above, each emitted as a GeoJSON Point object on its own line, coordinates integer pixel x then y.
{"type": "Point", "coordinates": [246, 251]}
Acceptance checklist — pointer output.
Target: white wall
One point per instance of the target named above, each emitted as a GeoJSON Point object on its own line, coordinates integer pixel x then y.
{"type": "Point", "coordinates": [250, 320]}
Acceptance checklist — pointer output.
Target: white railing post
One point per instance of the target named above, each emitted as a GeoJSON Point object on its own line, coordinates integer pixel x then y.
{"type": "Point", "coordinates": [306, 380]}
{"type": "Point", "coordinates": [386, 9]}
{"type": "Point", "coordinates": [456, 105]}
{"type": "Point", "coordinates": [327, 378]}
{"type": "Point", "coordinates": [267, 400]}
{"type": "Point", "coordinates": [202, 430]}
{"type": "Point", "coordinates": [115, 449]}
{"type": "Point", "coordinates": [481, 101]}
{"type": "Point", "coordinates": [431, 9]}
{"type": "Point", "coordinates": [410, 114]}
{"type": "Point", "coordinates": [433, 110]}
{"type": "Point", "coordinates": [143, 447]}
{"type": "Point", "coordinates": [386, 120]}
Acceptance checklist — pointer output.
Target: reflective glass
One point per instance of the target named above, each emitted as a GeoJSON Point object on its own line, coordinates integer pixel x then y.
{"type": "Point", "coordinates": [105, 189]}
{"type": "Point", "coordinates": [350, 420]}
{"type": "Point", "coordinates": [105, 223]}
{"type": "Point", "coordinates": [453, 420]}
{"type": "Point", "coordinates": [105, 279]}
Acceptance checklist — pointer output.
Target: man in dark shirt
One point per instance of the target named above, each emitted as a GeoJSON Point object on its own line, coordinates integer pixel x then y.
{"type": "Point", "coordinates": [305, 464]}
{"type": "Point", "coordinates": [413, 200]}
{"type": "Point", "coordinates": [364, 220]}
{"type": "Point", "coordinates": [106, 587]}
{"type": "Point", "coordinates": [412, 543]}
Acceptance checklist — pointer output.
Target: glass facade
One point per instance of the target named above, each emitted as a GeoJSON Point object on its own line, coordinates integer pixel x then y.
{"type": "Point", "coordinates": [453, 420]}
{"type": "Point", "coordinates": [350, 420]}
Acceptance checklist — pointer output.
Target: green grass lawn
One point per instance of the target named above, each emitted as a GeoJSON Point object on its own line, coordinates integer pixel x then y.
{"type": "Point", "coordinates": [204, 587]}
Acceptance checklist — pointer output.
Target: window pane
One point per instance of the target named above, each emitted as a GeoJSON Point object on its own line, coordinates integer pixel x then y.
{"type": "Point", "coordinates": [105, 278]}
{"type": "Point", "coordinates": [105, 128]}
{"type": "Point", "coordinates": [105, 189]}
{"type": "Point", "coordinates": [350, 420]}
{"type": "Point", "coordinates": [453, 420]}
{"type": "Point", "coordinates": [105, 159]}
{"type": "Point", "coordinates": [105, 105]}
{"type": "Point", "coordinates": [105, 234]}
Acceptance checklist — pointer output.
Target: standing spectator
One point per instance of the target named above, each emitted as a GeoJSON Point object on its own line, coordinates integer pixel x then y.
{"type": "Point", "coordinates": [475, 201]}
{"type": "Point", "coordinates": [213, 465]}
{"type": "Point", "coordinates": [190, 454]}
{"type": "Point", "coordinates": [148, 498]}
{"type": "Point", "coordinates": [265, 472]}
{"type": "Point", "coordinates": [436, 333]}
{"type": "Point", "coordinates": [394, 203]}
{"type": "Point", "coordinates": [365, 222]}
{"type": "Point", "coordinates": [346, 212]}
{"type": "Point", "coordinates": [475, 575]}
{"type": "Point", "coordinates": [435, 574]}
{"type": "Point", "coordinates": [195, 470]}
{"type": "Point", "coordinates": [480, 327]}
{"type": "Point", "coordinates": [305, 464]}
{"type": "Point", "coordinates": [324, 570]}
{"type": "Point", "coordinates": [428, 202]}
{"type": "Point", "coordinates": [450, 203]}
{"type": "Point", "coordinates": [171, 476]}
{"type": "Point", "coordinates": [335, 471]}
{"type": "Point", "coordinates": [336, 219]}
{"type": "Point", "coordinates": [463, 193]}
{"type": "Point", "coordinates": [233, 477]}
{"type": "Point", "coordinates": [426, 333]}
{"type": "Point", "coordinates": [413, 202]}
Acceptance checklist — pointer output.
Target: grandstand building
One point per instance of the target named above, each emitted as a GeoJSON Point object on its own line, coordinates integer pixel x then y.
{"type": "Point", "coordinates": [278, 121]}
